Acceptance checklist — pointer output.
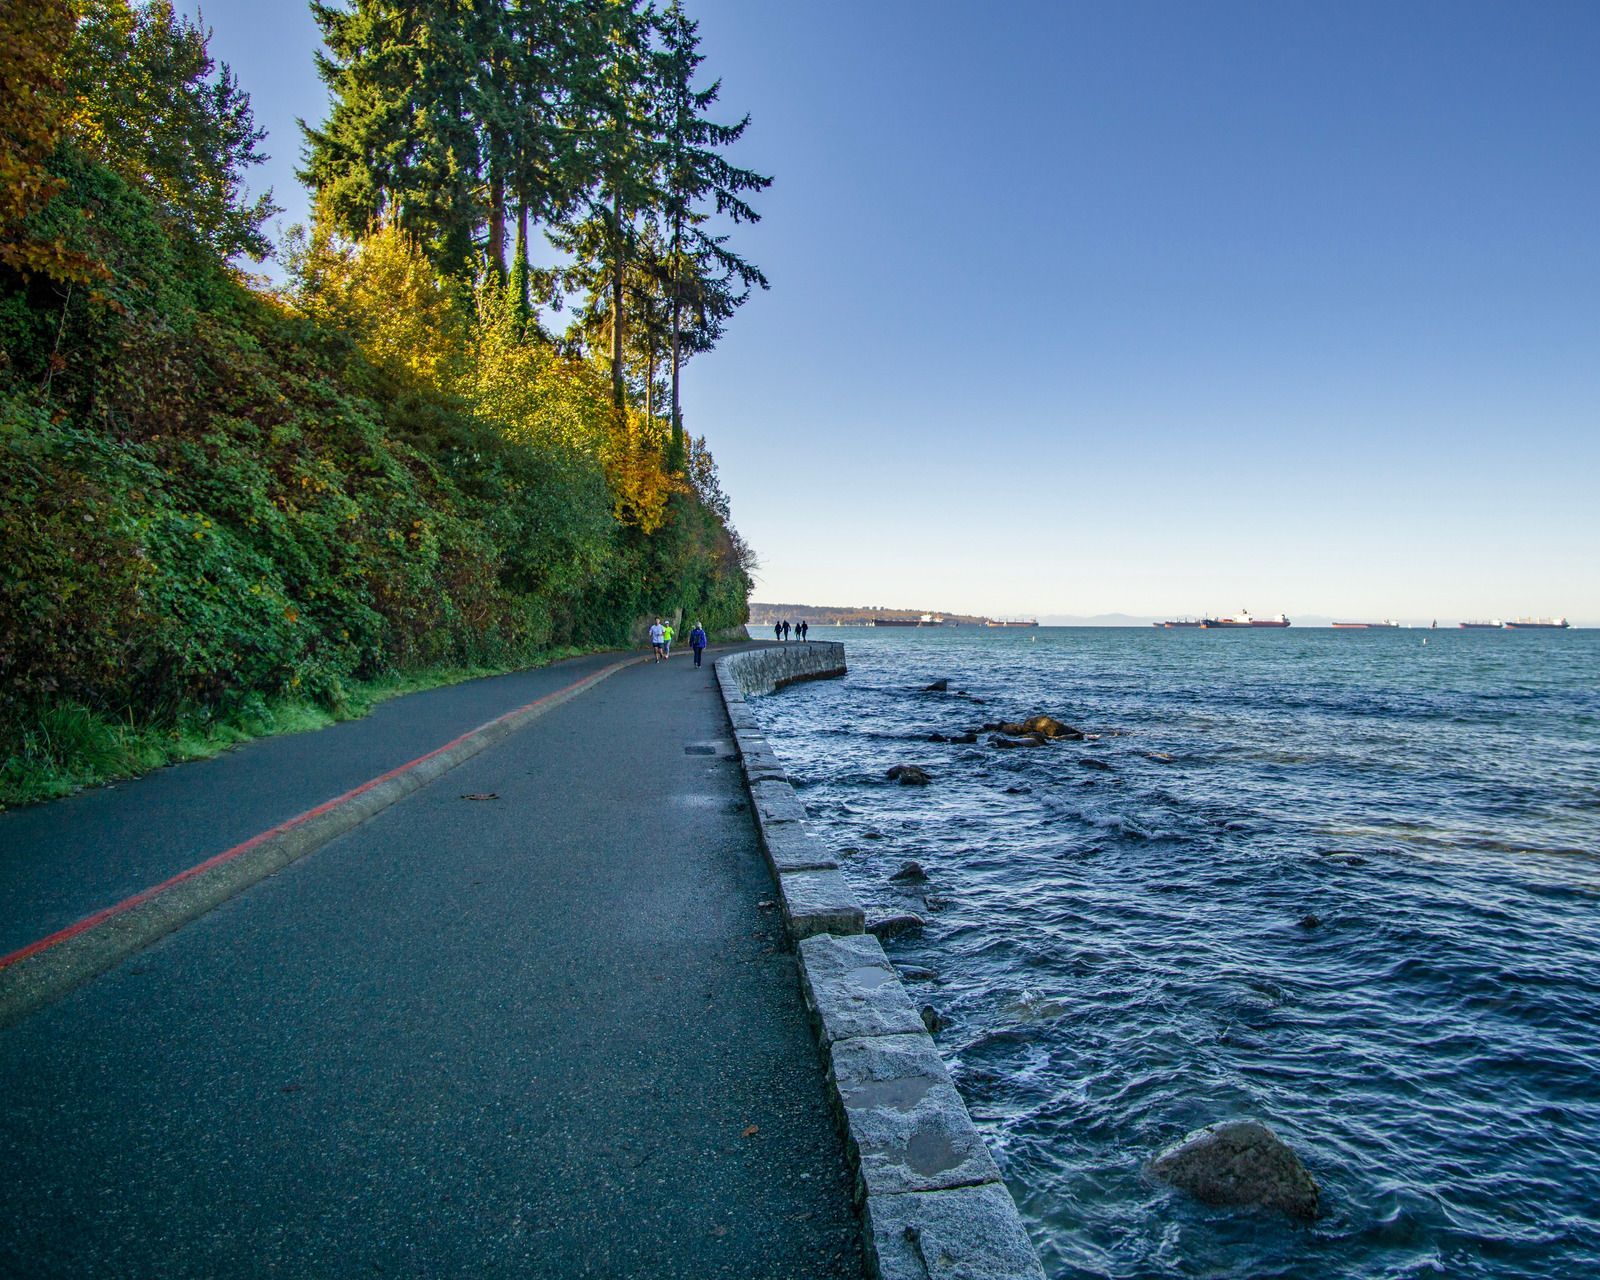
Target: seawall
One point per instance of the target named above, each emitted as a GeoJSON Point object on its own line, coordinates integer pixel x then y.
{"type": "Point", "coordinates": [930, 1196]}
{"type": "Point", "coordinates": [758, 671]}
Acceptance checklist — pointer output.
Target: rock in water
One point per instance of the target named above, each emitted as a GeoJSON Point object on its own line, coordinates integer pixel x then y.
{"type": "Point", "coordinates": [933, 1019]}
{"type": "Point", "coordinates": [1051, 728]}
{"type": "Point", "coordinates": [1239, 1162]}
{"type": "Point", "coordinates": [1032, 740]}
{"type": "Point", "coordinates": [909, 775]}
{"type": "Point", "coordinates": [910, 871]}
{"type": "Point", "coordinates": [894, 926]}
{"type": "Point", "coordinates": [938, 686]}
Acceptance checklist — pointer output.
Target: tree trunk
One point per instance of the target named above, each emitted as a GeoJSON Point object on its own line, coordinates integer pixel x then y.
{"type": "Point", "coordinates": [677, 417]}
{"type": "Point", "coordinates": [618, 266]}
{"type": "Point", "coordinates": [497, 222]}
{"type": "Point", "coordinates": [676, 453]}
{"type": "Point", "coordinates": [650, 384]}
{"type": "Point", "coordinates": [521, 301]}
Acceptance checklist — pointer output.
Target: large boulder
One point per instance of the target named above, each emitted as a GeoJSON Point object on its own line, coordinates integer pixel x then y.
{"type": "Point", "coordinates": [909, 775]}
{"type": "Point", "coordinates": [938, 686]}
{"type": "Point", "coordinates": [1239, 1162]}
{"type": "Point", "coordinates": [1040, 726]}
{"type": "Point", "coordinates": [1051, 728]}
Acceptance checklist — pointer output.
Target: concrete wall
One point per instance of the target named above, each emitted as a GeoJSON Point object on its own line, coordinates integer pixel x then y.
{"type": "Point", "coordinates": [932, 1203]}
{"type": "Point", "coordinates": [758, 671]}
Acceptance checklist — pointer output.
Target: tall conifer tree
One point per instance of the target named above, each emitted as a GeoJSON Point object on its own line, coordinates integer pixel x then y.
{"type": "Point", "coordinates": [696, 179]}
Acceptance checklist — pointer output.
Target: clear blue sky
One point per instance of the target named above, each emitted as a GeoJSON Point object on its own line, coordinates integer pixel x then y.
{"type": "Point", "coordinates": [1150, 307]}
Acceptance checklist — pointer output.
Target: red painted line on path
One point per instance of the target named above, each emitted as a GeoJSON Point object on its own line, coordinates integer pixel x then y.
{"type": "Point", "coordinates": [228, 855]}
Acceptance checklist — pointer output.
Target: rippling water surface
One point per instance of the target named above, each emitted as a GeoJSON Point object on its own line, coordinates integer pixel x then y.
{"type": "Point", "coordinates": [1124, 951]}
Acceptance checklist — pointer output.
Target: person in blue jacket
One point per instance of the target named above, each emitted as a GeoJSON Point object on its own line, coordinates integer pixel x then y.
{"type": "Point", "coordinates": [697, 642]}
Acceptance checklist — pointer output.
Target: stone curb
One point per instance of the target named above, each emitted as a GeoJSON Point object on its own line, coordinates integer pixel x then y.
{"type": "Point", "coordinates": [932, 1203]}
{"type": "Point", "coordinates": [41, 976]}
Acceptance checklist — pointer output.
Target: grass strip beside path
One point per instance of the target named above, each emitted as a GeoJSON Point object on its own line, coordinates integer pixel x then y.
{"type": "Point", "coordinates": [70, 746]}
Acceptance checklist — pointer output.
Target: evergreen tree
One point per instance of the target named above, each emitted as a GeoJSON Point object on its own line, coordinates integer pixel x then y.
{"type": "Point", "coordinates": [547, 58]}
{"type": "Point", "coordinates": [618, 159]}
{"type": "Point", "coordinates": [402, 141]}
{"type": "Point", "coordinates": [152, 103]}
{"type": "Point", "coordinates": [703, 269]}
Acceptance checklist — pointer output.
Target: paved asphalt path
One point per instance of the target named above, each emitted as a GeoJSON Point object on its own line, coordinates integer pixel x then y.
{"type": "Point", "coordinates": [62, 861]}
{"type": "Point", "coordinates": [552, 1034]}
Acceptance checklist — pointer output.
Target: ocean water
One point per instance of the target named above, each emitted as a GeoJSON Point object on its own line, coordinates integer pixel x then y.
{"type": "Point", "coordinates": [1124, 955]}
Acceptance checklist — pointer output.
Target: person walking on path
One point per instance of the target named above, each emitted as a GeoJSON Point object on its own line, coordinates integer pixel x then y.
{"type": "Point", "coordinates": [697, 642]}
{"type": "Point", "coordinates": [666, 640]}
{"type": "Point", "coordinates": [786, 632]}
{"type": "Point", "coordinates": [777, 631]}
{"type": "Point", "coordinates": [802, 628]}
{"type": "Point", "coordinates": [658, 639]}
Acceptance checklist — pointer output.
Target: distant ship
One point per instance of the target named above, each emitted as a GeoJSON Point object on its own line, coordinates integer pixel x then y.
{"type": "Point", "coordinates": [1011, 622]}
{"type": "Point", "coordinates": [926, 620]}
{"type": "Point", "coordinates": [1538, 624]}
{"type": "Point", "coordinates": [1177, 622]}
{"type": "Point", "coordinates": [1480, 626]}
{"type": "Point", "coordinates": [1388, 624]}
{"type": "Point", "coordinates": [1245, 619]}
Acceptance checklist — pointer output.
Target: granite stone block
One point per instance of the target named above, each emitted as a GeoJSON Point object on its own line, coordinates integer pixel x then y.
{"type": "Point", "coordinates": [966, 1233]}
{"type": "Point", "coordinates": [852, 988]}
{"type": "Point", "coordinates": [906, 1124]}
{"type": "Point", "coordinates": [818, 902]}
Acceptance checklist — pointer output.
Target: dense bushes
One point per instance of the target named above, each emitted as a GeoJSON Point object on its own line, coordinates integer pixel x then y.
{"type": "Point", "coordinates": [211, 495]}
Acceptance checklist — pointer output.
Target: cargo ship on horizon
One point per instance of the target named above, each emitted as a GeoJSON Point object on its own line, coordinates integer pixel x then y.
{"type": "Point", "coordinates": [1538, 624]}
{"type": "Point", "coordinates": [1011, 622]}
{"type": "Point", "coordinates": [1388, 624]}
{"type": "Point", "coordinates": [926, 620]}
{"type": "Point", "coordinates": [1244, 619]}
{"type": "Point", "coordinates": [1177, 622]}
{"type": "Point", "coordinates": [1481, 626]}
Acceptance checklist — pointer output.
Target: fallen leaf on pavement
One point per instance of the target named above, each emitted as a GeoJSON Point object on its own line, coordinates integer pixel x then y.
{"type": "Point", "coordinates": [765, 905]}
{"type": "Point", "coordinates": [481, 795]}
{"type": "Point", "coordinates": [750, 1131]}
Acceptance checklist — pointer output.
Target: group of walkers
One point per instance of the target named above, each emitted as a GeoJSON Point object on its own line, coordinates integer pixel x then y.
{"type": "Point", "coordinates": [661, 634]}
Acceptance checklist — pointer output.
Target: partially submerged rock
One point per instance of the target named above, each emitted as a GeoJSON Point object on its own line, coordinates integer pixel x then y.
{"type": "Point", "coordinates": [896, 926]}
{"type": "Point", "coordinates": [1089, 762]}
{"type": "Point", "coordinates": [933, 1019]}
{"type": "Point", "coordinates": [1239, 1163]}
{"type": "Point", "coordinates": [1044, 727]}
{"type": "Point", "coordinates": [1032, 740]}
{"type": "Point", "coordinates": [911, 871]}
{"type": "Point", "coordinates": [909, 775]}
{"type": "Point", "coordinates": [1051, 728]}
{"type": "Point", "coordinates": [967, 738]}
{"type": "Point", "coordinates": [938, 686]}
